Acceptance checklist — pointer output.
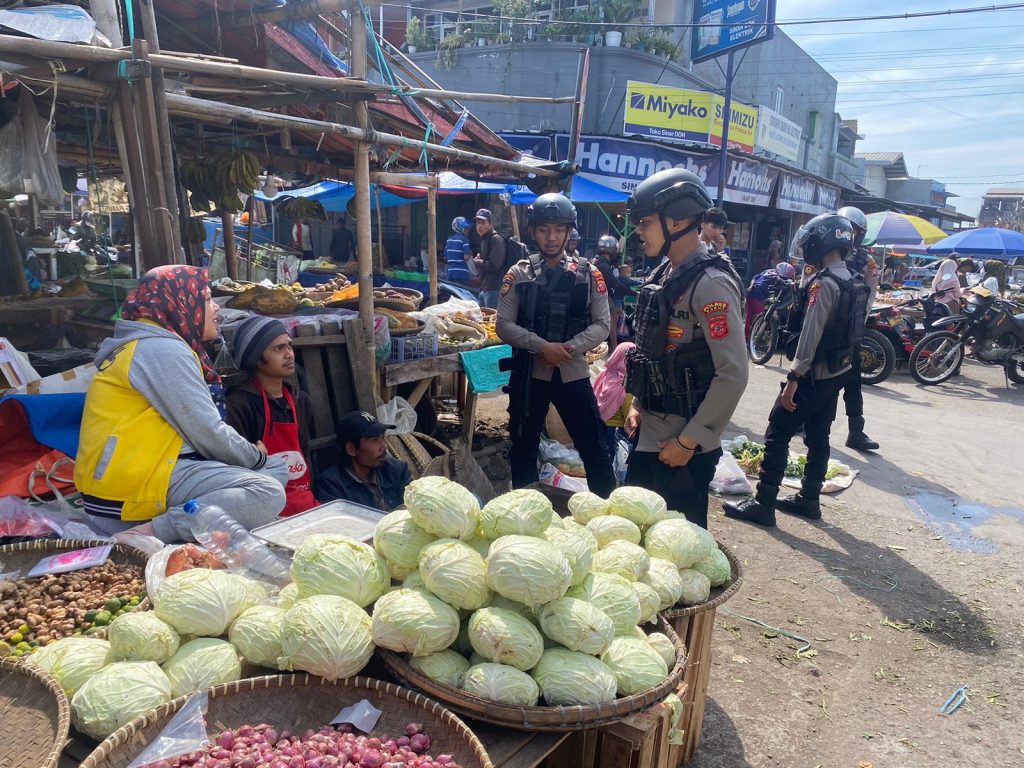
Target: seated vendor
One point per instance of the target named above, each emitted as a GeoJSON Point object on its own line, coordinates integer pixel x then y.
{"type": "Point", "coordinates": [364, 473]}
{"type": "Point", "coordinates": [267, 410]}
{"type": "Point", "coordinates": [152, 436]}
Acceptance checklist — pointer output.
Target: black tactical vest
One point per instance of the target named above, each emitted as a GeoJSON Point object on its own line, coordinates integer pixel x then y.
{"type": "Point", "coordinates": [668, 378]}
{"type": "Point", "coordinates": [556, 303]}
{"type": "Point", "coordinates": [844, 330]}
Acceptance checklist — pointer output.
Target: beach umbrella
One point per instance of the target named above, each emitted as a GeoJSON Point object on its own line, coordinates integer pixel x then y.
{"type": "Point", "coordinates": [891, 228]}
{"type": "Point", "coordinates": [993, 242]}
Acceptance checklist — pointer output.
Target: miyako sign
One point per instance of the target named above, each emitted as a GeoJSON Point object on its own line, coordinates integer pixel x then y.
{"type": "Point", "coordinates": [680, 114]}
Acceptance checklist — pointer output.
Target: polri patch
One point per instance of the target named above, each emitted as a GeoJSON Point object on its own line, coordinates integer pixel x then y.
{"type": "Point", "coordinates": [599, 279]}
{"type": "Point", "coordinates": [715, 306]}
{"type": "Point", "coordinates": [718, 326]}
{"type": "Point", "coordinates": [812, 294]}
{"type": "Point", "coordinates": [507, 282]}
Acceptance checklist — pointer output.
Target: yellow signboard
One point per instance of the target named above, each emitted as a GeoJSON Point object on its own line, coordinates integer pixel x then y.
{"type": "Point", "coordinates": [680, 114]}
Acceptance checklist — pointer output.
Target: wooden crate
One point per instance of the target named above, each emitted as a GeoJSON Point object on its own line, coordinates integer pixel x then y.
{"type": "Point", "coordinates": [695, 631]}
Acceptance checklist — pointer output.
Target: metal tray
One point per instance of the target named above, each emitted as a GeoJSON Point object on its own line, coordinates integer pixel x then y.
{"type": "Point", "coordinates": [341, 517]}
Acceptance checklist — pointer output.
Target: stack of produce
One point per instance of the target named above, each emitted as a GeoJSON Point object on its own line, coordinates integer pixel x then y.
{"type": "Point", "coordinates": [750, 455]}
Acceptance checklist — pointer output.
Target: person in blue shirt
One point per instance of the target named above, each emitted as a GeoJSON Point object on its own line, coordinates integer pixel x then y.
{"type": "Point", "coordinates": [458, 253]}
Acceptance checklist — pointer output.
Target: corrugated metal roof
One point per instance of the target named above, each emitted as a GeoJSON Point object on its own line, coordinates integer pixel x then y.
{"type": "Point", "coordinates": [1005, 193]}
{"type": "Point", "coordinates": [880, 157]}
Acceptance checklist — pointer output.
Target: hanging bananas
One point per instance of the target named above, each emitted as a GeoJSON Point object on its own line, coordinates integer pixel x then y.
{"type": "Point", "coordinates": [298, 208]}
{"type": "Point", "coordinates": [192, 230]}
{"type": "Point", "coordinates": [216, 182]}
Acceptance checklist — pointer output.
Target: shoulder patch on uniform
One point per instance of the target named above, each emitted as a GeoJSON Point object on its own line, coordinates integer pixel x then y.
{"type": "Point", "coordinates": [812, 294]}
{"type": "Point", "coordinates": [718, 326]}
{"type": "Point", "coordinates": [808, 270]}
{"type": "Point", "coordinates": [715, 306]}
{"type": "Point", "coordinates": [599, 279]}
{"type": "Point", "coordinates": [507, 282]}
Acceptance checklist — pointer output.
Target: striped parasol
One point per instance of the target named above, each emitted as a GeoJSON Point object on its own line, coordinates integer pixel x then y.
{"type": "Point", "coordinates": [891, 228]}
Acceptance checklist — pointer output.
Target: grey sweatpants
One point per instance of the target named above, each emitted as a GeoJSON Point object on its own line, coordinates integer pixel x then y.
{"type": "Point", "coordinates": [253, 499]}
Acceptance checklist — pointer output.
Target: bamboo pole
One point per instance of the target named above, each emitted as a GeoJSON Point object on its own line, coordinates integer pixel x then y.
{"type": "Point", "coordinates": [292, 12]}
{"type": "Point", "coordinates": [380, 231]}
{"type": "Point", "coordinates": [203, 109]}
{"type": "Point", "coordinates": [230, 251]}
{"type": "Point", "coordinates": [126, 133]}
{"type": "Point", "coordinates": [48, 49]}
{"type": "Point", "coordinates": [250, 206]}
{"type": "Point", "coordinates": [432, 242]}
{"type": "Point", "coordinates": [364, 241]}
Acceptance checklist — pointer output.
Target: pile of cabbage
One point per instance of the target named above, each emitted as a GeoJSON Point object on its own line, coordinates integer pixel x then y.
{"type": "Point", "coordinates": [513, 604]}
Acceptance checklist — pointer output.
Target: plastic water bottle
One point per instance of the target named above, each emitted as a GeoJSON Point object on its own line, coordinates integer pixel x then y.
{"type": "Point", "coordinates": [234, 546]}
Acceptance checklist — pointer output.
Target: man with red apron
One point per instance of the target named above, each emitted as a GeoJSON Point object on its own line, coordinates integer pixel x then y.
{"type": "Point", "coordinates": [267, 411]}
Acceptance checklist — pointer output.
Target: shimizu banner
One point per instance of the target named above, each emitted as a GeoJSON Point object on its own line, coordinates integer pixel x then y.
{"type": "Point", "coordinates": [680, 114]}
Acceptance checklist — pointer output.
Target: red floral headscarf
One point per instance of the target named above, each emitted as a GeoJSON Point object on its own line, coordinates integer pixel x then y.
{"type": "Point", "coordinates": [172, 296]}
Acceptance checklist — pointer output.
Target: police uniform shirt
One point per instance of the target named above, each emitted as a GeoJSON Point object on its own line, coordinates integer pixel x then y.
{"type": "Point", "coordinates": [822, 302]}
{"type": "Point", "coordinates": [709, 309]}
{"type": "Point", "coordinates": [511, 333]}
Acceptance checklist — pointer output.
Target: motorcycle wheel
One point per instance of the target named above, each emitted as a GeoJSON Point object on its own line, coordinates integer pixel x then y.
{"type": "Point", "coordinates": [1015, 371]}
{"type": "Point", "coordinates": [763, 340]}
{"type": "Point", "coordinates": [935, 345]}
{"type": "Point", "coordinates": [877, 357]}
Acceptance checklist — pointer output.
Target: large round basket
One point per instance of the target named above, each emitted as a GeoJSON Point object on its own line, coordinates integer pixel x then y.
{"type": "Point", "coordinates": [542, 718]}
{"type": "Point", "coordinates": [298, 702]}
{"type": "Point", "coordinates": [34, 717]}
{"type": "Point", "coordinates": [695, 626]}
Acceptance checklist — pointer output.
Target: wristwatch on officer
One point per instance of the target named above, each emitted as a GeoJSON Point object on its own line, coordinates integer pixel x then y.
{"type": "Point", "coordinates": [792, 376]}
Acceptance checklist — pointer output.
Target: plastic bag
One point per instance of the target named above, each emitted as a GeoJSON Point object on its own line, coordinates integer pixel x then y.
{"type": "Point", "coordinates": [399, 412]}
{"type": "Point", "coordinates": [551, 475]}
{"type": "Point", "coordinates": [620, 462]}
{"type": "Point", "coordinates": [729, 477]}
{"type": "Point", "coordinates": [563, 457]}
{"type": "Point", "coordinates": [186, 732]}
{"type": "Point", "coordinates": [39, 154]}
{"type": "Point", "coordinates": [429, 316]}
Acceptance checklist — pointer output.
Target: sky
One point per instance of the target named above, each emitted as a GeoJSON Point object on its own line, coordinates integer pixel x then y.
{"type": "Point", "coordinates": [946, 91]}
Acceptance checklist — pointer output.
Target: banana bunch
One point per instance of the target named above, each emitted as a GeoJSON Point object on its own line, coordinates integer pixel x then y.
{"type": "Point", "coordinates": [215, 182]}
{"type": "Point", "coordinates": [192, 230]}
{"type": "Point", "coordinates": [298, 208]}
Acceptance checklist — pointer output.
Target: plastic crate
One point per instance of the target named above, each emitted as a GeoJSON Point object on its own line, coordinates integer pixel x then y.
{"type": "Point", "coordinates": [405, 348]}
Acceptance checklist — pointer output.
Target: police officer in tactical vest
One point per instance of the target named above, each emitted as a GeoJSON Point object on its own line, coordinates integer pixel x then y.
{"type": "Point", "coordinates": [689, 367]}
{"type": "Point", "coordinates": [830, 317]}
{"type": "Point", "coordinates": [553, 309]}
{"type": "Point", "coordinates": [865, 271]}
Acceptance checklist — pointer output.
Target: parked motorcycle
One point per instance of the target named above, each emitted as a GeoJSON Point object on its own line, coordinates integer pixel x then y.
{"type": "Point", "coordinates": [994, 329]}
{"type": "Point", "coordinates": [906, 323]}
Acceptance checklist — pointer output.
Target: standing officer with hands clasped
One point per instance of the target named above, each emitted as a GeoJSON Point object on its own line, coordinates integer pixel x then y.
{"type": "Point", "coordinates": [553, 310]}
{"type": "Point", "coordinates": [830, 318]}
{"type": "Point", "coordinates": [689, 367]}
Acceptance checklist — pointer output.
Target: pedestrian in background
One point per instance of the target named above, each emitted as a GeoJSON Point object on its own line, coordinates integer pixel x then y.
{"type": "Point", "coordinates": [947, 284]}
{"type": "Point", "coordinates": [491, 261]}
{"type": "Point", "coordinates": [458, 253]}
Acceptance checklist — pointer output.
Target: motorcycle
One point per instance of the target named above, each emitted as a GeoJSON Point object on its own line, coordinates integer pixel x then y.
{"type": "Point", "coordinates": [769, 334]}
{"type": "Point", "coordinates": [906, 323]}
{"type": "Point", "coordinates": [994, 329]}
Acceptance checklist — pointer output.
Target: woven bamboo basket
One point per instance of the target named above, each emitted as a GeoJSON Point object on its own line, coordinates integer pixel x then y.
{"type": "Point", "coordinates": [542, 718]}
{"type": "Point", "coordinates": [298, 702]}
{"type": "Point", "coordinates": [695, 626]}
{"type": "Point", "coordinates": [34, 717]}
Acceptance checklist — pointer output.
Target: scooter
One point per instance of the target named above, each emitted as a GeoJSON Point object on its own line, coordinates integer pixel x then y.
{"type": "Point", "coordinates": [906, 323]}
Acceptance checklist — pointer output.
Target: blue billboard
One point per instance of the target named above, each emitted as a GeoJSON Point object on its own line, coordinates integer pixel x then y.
{"type": "Point", "coordinates": [726, 25]}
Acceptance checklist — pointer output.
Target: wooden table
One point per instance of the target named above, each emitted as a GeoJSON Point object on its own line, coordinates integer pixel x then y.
{"type": "Point", "coordinates": [423, 372]}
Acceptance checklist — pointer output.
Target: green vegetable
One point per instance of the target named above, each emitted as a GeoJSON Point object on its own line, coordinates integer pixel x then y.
{"type": "Point", "coordinates": [90, 615]}
{"type": "Point", "coordinates": [142, 637]}
{"type": "Point", "coordinates": [329, 564]}
{"type": "Point", "coordinates": [679, 541]}
{"type": "Point", "coordinates": [505, 637]}
{"type": "Point", "coordinates": [442, 507]}
{"type": "Point", "coordinates": [102, 618]}
{"type": "Point", "coordinates": [663, 576]}
{"type": "Point", "coordinates": [528, 570]}
{"type": "Point", "coordinates": [445, 666]}
{"type": "Point", "coordinates": [585, 506]}
{"type": "Point", "coordinates": [256, 633]}
{"type": "Point", "coordinates": [636, 665]}
{"type": "Point", "coordinates": [413, 621]}
{"type": "Point", "coordinates": [113, 605]}
{"type": "Point", "coordinates": [117, 694]}
{"type": "Point", "coordinates": [326, 635]}
{"type": "Point", "coordinates": [638, 505]}
{"type": "Point", "coordinates": [202, 663]}
{"type": "Point", "coordinates": [716, 567]}
{"type": "Point", "coordinates": [577, 625]}
{"type": "Point", "coordinates": [570, 678]}
{"type": "Point", "coordinates": [614, 596]}
{"type": "Point", "coordinates": [526, 511]}
{"type": "Point", "coordinates": [660, 643]}
{"type": "Point", "coordinates": [696, 587]}
{"type": "Point", "coordinates": [501, 683]}
{"type": "Point", "coordinates": [456, 573]}
{"type": "Point", "coordinates": [622, 558]}
{"type": "Point", "coordinates": [203, 602]}
{"type": "Point", "coordinates": [650, 602]}
{"type": "Point", "coordinates": [73, 660]}
{"type": "Point", "coordinates": [613, 528]}
{"type": "Point", "coordinates": [399, 540]}
{"type": "Point", "coordinates": [578, 545]}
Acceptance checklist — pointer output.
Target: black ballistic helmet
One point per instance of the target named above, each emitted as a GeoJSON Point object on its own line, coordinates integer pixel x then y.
{"type": "Point", "coordinates": [858, 219]}
{"type": "Point", "coordinates": [551, 208]}
{"type": "Point", "coordinates": [608, 244]}
{"type": "Point", "coordinates": [822, 234]}
{"type": "Point", "coordinates": [676, 193]}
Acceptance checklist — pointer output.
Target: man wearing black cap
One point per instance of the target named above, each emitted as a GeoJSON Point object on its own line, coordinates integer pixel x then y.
{"type": "Point", "coordinates": [364, 474]}
{"type": "Point", "coordinates": [714, 224]}
{"type": "Point", "coordinates": [491, 260]}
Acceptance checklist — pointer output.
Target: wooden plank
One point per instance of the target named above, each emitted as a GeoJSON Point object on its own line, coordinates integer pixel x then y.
{"type": "Point", "coordinates": [318, 341]}
{"type": "Point", "coordinates": [312, 363]}
{"type": "Point", "coordinates": [577, 750]}
{"type": "Point", "coordinates": [693, 704]}
{"type": "Point", "coordinates": [362, 366]}
{"type": "Point", "coordinates": [516, 749]}
{"type": "Point", "coordinates": [418, 391]}
{"type": "Point", "coordinates": [469, 419]}
{"type": "Point", "coordinates": [414, 370]}
{"type": "Point", "coordinates": [339, 373]}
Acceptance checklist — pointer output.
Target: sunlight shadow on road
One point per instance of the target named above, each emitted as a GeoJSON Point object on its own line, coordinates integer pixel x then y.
{"type": "Point", "coordinates": [720, 745]}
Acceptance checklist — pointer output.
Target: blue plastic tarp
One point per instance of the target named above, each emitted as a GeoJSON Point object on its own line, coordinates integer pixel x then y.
{"type": "Point", "coordinates": [334, 196]}
{"type": "Point", "coordinates": [55, 420]}
{"type": "Point", "coordinates": [481, 367]}
{"type": "Point", "coordinates": [584, 190]}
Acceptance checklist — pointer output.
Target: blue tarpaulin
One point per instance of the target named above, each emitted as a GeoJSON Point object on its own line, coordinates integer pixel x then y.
{"type": "Point", "coordinates": [335, 195]}
{"type": "Point", "coordinates": [55, 420]}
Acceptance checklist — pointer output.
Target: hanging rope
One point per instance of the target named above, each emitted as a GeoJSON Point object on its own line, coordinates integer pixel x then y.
{"type": "Point", "coordinates": [94, 173]}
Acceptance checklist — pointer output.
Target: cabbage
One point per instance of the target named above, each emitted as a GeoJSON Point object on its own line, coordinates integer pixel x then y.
{"type": "Point", "coordinates": [141, 636]}
{"type": "Point", "coordinates": [202, 602]}
{"type": "Point", "coordinates": [117, 694]}
{"type": "Point", "coordinates": [325, 635]}
{"type": "Point", "coordinates": [650, 602]}
{"type": "Point", "coordinates": [72, 660]}
{"type": "Point", "coordinates": [505, 637]}
{"type": "Point", "coordinates": [497, 601]}
{"type": "Point", "coordinates": [481, 546]}
{"type": "Point", "coordinates": [414, 621]}
{"type": "Point", "coordinates": [679, 541]}
{"type": "Point", "coordinates": [585, 506]}
{"type": "Point", "coordinates": [329, 564]}
{"type": "Point", "coordinates": [664, 647]}
{"type": "Point", "coordinates": [614, 596]}
{"type": "Point", "coordinates": [664, 577]}
{"type": "Point", "coordinates": [528, 570]}
{"type": "Point", "coordinates": [579, 547]}
{"type": "Point", "coordinates": [455, 573]}
{"type": "Point", "coordinates": [636, 504]}
{"type": "Point", "coordinates": [201, 664]}
{"type": "Point", "coordinates": [399, 540]}
{"type": "Point", "coordinates": [526, 511]}
{"type": "Point", "coordinates": [441, 507]}
{"type": "Point", "coordinates": [627, 560]}
{"type": "Point", "coordinates": [696, 587]}
{"type": "Point", "coordinates": [415, 581]}
{"type": "Point", "coordinates": [716, 567]}
{"type": "Point", "coordinates": [557, 521]}
{"type": "Point", "coordinates": [570, 678]}
{"type": "Point", "coordinates": [288, 595]}
{"type": "Point", "coordinates": [501, 683]}
{"type": "Point", "coordinates": [577, 625]}
{"type": "Point", "coordinates": [611, 528]}
{"type": "Point", "coordinates": [398, 572]}
{"type": "Point", "coordinates": [445, 666]}
{"type": "Point", "coordinates": [636, 665]}
{"type": "Point", "coordinates": [475, 659]}
{"type": "Point", "coordinates": [256, 633]}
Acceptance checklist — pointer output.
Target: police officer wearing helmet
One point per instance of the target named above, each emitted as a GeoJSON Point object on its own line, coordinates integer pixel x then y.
{"type": "Point", "coordinates": [689, 368]}
{"type": "Point", "coordinates": [458, 252]}
{"type": "Point", "coordinates": [865, 271]}
{"type": "Point", "coordinates": [830, 310]}
{"type": "Point", "coordinates": [553, 309]}
{"type": "Point", "coordinates": [607, 260]}
{"type": "Point", "coordinates": [572, 250]}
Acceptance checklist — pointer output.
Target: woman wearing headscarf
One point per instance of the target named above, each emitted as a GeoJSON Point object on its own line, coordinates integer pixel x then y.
{"type": "Point", "coordinates": [152, 437]}
{"type": "Point", "coordinates": [612, 399]}
{"type": "Point", "coordinates": [947, 282]}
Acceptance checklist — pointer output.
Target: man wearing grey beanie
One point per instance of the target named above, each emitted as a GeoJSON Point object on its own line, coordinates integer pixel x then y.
{"type": "Point", "coordinates": [268, 410]}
